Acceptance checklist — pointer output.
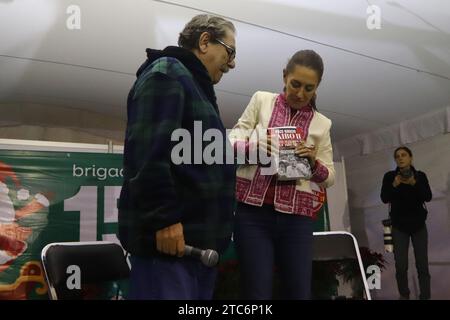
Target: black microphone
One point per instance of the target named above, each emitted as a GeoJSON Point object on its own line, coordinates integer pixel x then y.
{"type": "Point", "coordinates": [208, 257]}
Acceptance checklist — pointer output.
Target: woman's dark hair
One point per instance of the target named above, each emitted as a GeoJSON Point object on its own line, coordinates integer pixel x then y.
{"type": "Point", "coordinates": [403, 148]}
{"type": "Point", "coordinates": [306, 58]}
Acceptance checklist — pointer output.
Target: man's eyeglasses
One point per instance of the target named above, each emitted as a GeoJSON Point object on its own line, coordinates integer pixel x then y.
{"type": "Point", "coordinates": [231, 51]}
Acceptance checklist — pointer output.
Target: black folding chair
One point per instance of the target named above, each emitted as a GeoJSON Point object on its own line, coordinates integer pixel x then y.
{"type": "Point", "coordinates": [98, 265]}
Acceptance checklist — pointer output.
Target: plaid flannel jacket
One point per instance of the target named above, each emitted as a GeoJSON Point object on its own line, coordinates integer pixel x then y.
{"type": "Point", "coordinates": [156, 192]}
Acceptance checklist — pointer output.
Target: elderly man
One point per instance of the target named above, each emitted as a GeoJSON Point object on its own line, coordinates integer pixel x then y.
{"type": "Point", "coordinates": [165, 205]}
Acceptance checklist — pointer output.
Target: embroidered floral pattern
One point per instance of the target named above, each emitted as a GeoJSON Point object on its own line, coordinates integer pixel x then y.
{"type": "Point", "coordinates": [287, 198]}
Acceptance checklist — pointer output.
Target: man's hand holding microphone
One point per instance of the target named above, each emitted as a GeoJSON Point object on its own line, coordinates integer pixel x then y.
{"type": "Point", "coordinates": [170, 241]}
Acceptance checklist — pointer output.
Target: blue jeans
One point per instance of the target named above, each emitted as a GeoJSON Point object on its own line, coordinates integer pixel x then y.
{"type": "Point", "coordinates": [264, 237]}
{"type": "Point", "coordinates": [161, 278]}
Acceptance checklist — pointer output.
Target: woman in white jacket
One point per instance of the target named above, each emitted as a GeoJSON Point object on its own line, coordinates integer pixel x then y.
{"type": "Point", "coordinates": [274, 219]}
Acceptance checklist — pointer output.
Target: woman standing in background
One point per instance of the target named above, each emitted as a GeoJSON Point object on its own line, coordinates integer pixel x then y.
{"type": "Point", "coordinates": [406, 190]}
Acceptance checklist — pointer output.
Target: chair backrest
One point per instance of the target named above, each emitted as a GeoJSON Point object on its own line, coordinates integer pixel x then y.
{"type": "Point", "coordinates": [96, 262]}
{"type": "Point", "coordinates": [339, 245]}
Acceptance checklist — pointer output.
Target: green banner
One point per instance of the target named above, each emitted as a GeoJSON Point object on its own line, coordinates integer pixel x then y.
{"type": "Point", "coordinates": [50, 197]}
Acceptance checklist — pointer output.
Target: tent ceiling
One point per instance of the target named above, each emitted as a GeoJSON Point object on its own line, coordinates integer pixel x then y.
{"type": "Point", "coordinates": [372, 78]}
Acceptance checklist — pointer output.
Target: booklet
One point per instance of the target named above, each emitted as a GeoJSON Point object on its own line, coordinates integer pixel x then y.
{"type": "Point", "coordinates": [289, 165]}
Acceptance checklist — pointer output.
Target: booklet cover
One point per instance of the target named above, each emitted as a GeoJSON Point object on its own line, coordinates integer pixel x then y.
{"type": "Point", "coordinates": [289, 165]}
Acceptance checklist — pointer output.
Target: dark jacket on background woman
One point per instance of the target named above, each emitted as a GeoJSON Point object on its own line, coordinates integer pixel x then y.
{"type": "Point", "coordinates": [407, 203]}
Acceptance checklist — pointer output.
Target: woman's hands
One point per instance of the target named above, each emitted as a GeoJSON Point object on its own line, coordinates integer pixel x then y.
{"type": "Point", "coordinates": [398, 180]}
{"type": "Point", "coordinates": [309, 152]}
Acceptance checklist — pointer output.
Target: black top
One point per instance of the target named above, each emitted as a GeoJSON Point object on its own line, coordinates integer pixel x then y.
{"type": "Point", "coordinates": [407, 203]}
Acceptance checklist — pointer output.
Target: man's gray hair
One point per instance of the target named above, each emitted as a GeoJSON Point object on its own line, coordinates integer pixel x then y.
{"type": "Point", "coordinates": [214, 25]}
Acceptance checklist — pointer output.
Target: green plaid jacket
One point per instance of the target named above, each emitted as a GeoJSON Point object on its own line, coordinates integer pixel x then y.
{"type": "Point", "coordinates": [156, 192]}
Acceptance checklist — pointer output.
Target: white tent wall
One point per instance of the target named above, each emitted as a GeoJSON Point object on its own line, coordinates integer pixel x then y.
{"type": "Point", "coordinates": [411, 130]}
{"type": "Point", "coordinates": [364, 178]}
{"type": "Point", "coordinates": [337, 199]}
{"type": "Point", "coordinates": [31, 121]}
{"type": "Point", "coordinates": [55, 146]}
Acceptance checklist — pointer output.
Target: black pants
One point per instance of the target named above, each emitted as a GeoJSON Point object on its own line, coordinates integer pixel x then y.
{"type": "Point", "coordinates": [401, 247]}
{"type": "Point", "coordinates": [264, 236]}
